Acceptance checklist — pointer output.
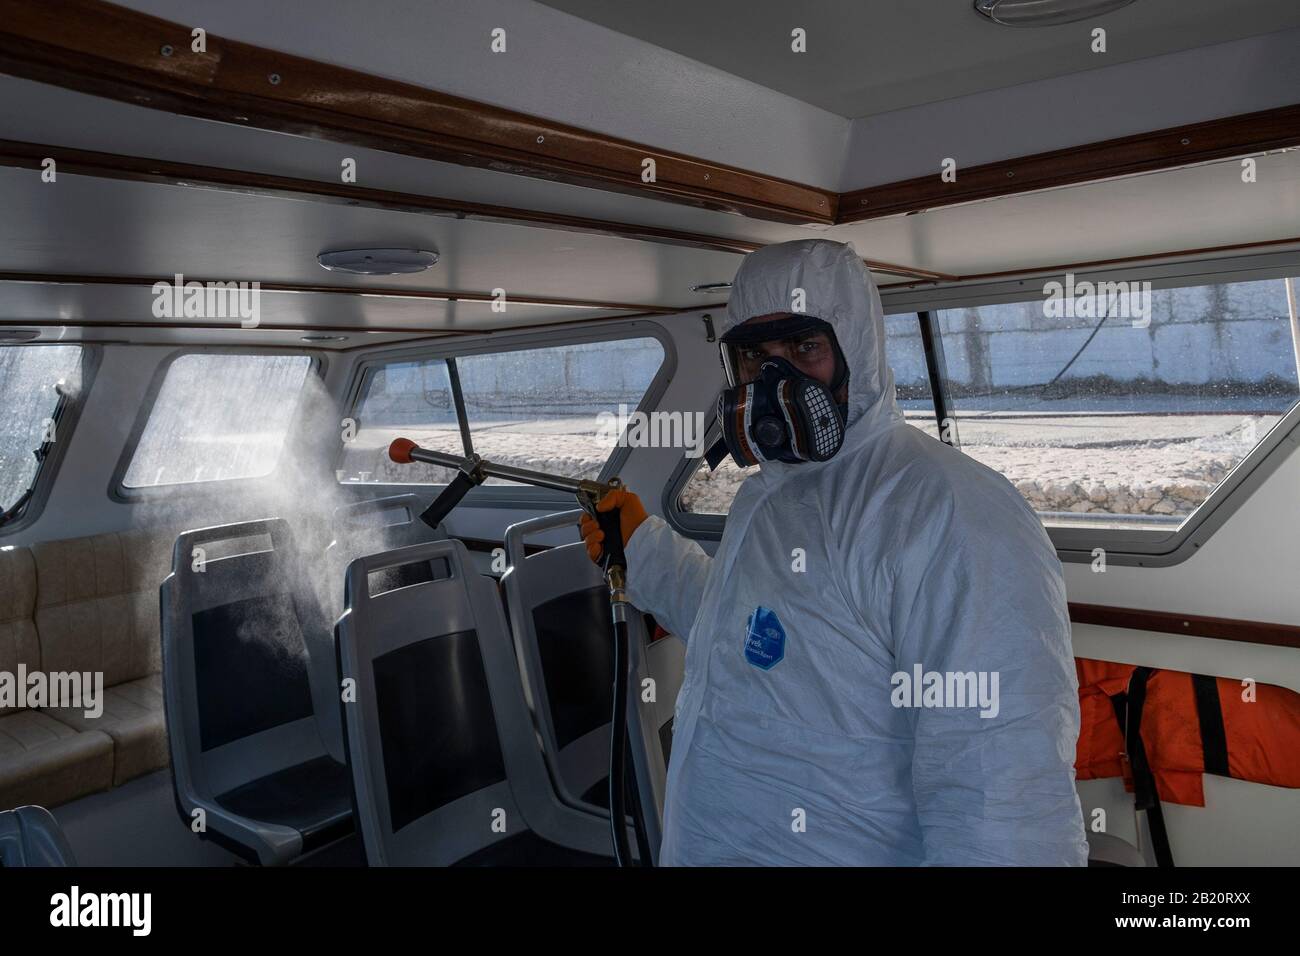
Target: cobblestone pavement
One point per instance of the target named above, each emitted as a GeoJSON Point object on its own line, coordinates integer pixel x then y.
{"type": "Point", "coordinates": [1100, 464]}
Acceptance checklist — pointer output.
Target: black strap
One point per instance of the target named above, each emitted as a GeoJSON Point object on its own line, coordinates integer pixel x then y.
{"type": "Point", "coordinates": [1214, 739]}
{"type": "Point", "coordinates": [1128, 709]}
{"type": "Point", "coordinates": [715, 454]}
{"type": "Point", "coordinates": [450, 498]}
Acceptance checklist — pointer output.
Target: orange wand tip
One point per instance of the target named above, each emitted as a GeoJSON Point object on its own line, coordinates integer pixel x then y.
{"type": "Point", "coordinates": [400, 450]}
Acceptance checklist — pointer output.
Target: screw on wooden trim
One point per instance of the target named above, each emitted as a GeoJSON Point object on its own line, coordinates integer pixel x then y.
{"type": "Point", "coordinates": [1185, 141]}
{"type": "Point", "coordinates": [274, 79]}
{"type": "Point", "coordinates": [541, 139]}
{"type": "Point", "coordinates": [166, 49]}
{"type": "Point", "coordinates": [1010, 174]}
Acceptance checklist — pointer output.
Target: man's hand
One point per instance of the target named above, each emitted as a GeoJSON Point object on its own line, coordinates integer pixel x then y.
{"type": "Point", "coordinates": [631, 514]}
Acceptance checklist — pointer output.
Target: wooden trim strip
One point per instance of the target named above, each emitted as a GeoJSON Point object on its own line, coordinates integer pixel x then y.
{"type": "Point", "coordinates": [80, 162]}
{"type": "Point", "coordinates": [1126, 156]}
{"type": "Point", "coordinates": [109, 51]}
{"type": "Point", "coordinates": [1195, 625]}
{"type": "Point", "coordinates": [906, 272]}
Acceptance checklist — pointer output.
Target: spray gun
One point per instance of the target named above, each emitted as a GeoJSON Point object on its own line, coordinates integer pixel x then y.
{"type": "Point", "coordinates": [472, 471]}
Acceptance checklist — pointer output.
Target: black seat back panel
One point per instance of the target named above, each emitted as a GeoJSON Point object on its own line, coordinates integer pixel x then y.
{"type": "Point", "coordinates": [575, 639]}
{"type": "Point", "coordinates": [439, 735]}
{"type": "Point", "coordinates": [250, 667]}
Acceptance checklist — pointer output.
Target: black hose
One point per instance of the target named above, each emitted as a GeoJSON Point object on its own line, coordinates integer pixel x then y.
{"type": "Point", "coordinates": [617, 749]}
{"type": "Point", "coordinates": [1073, 358]}
{"type": "Point", "coordinates": [638, 823]}
{"type": "Point", "coordinates": [614, 565]}
{"type": "Point", "coordinates": [1042, 388]}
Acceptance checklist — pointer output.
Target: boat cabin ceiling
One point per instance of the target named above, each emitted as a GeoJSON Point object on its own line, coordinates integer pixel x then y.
{"type": "Point", "coordinates": [524, 168]}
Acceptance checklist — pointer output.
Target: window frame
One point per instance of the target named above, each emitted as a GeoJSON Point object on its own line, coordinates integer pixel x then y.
{"type": "Point", "coordinates": [509, 496]}
{"type": "Point", "coordinates": [1146, 547]}
{"type": "Point", "coordinates": [121, 494]}
{"type": "Point", "coordinates": [66, 422]}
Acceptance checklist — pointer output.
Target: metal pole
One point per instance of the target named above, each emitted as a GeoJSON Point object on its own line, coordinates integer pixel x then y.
{"type": "Point", "coordinates": [1295, 324]}
{"type": "Point", "coordinates": [538, 478]}
{"type": "Point", "coordinates": [458, 399]}
{"type": "Point", "coordinates": [932, 342]}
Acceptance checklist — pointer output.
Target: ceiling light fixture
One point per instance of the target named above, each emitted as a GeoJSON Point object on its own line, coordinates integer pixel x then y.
{"type": "Point", "coordinates": [1044, 13]}
{"type": "Point", "coordinates": [378, 262]}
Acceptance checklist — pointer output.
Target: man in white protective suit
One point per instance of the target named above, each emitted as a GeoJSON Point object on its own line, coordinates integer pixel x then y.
{"type": "Point", "coordinates": [878, 662]}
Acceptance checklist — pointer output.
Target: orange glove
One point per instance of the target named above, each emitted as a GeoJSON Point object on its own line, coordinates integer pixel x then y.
{"type": "Point", "coordinates": [631, 514]}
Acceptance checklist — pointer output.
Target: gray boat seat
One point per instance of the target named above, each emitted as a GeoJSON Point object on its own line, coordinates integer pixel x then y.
{"type": "Point", "coordinates": [369, 527]}
{"type": "Point", "coordinates": [249, 729]}
{"type": "Point", "coordinates": [443, 755]}
{"type": "Point", "coordinates": [30, 836]}
{"type": "Point", "coordinates": [558, 607]}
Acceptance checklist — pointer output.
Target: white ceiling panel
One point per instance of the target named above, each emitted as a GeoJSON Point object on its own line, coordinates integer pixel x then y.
{"type": "Point", "coordinates": [1192, 208]}
{"type": "Point", "coordinates": [84, 225]}
{"type": "Point", "coordinates": [261, 338]}
{"type": "Point", "coordinates": [39, 113]}
{"type": "Point", "coordinates": [865, 58]}
{"type": "Point", "coordinates": [70, 304]}
{"type": "Point", "coordinates": [553, 65]}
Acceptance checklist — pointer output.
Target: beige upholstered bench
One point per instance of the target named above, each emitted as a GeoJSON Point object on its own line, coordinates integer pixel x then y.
{"type": "Point", "coordinates": [88, 605]}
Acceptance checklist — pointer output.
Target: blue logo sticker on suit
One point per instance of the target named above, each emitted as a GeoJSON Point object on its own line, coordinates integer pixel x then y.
{"type": "Point", "coordinates": [764, 639]}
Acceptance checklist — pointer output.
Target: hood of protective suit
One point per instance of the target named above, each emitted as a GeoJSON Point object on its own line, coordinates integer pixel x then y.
{"type": "Point", "coordinates": [837, 288]}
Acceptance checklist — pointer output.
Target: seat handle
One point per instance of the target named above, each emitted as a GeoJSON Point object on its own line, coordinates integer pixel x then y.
{"type": "Point", "coordinates": [516, 533]}
{"type": "Point", "coordinates": [276, 529]}
{"type": "Point", "coordinates": [369, 505]}
{"type": "Point", "coordinates": [360, 569]}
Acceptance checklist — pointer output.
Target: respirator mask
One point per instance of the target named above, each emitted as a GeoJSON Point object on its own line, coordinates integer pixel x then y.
{"type": "Point", "coordinates": [781, 413]}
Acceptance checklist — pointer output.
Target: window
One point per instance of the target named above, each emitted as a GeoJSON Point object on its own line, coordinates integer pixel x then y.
{"type": "Point", "coordinates": [1124, 415]}
{"type": "Point", "coordinates": [1127, 414]}
{"type": "Point", "coordinates": [906, 354]}
{"type": "Point", "coordinates": [710, 492]}
{"type": "Point", "coordinates": [411, 399]}
{"type": "Point", "coordinates": [544, 408]}
{"type": "Point", "coordinates": [218, 416]}
{"type": "Point", "coordinates": [36, 384]}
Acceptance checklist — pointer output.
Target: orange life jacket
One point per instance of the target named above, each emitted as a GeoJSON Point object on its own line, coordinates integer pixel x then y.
{"type": "Point", "coordinates": [1190, 725]}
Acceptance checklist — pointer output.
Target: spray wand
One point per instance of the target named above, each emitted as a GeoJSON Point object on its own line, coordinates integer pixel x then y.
{"type": "Point", "coordinates": [472, 471]}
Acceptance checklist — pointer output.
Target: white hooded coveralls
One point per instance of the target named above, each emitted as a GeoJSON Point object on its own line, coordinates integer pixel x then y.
{"type": "Point", "coordinates": [916, 555]}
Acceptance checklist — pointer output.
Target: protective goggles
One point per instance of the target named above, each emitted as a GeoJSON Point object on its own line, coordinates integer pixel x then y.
{"type": "Point", "coordinates": [742, 357]}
